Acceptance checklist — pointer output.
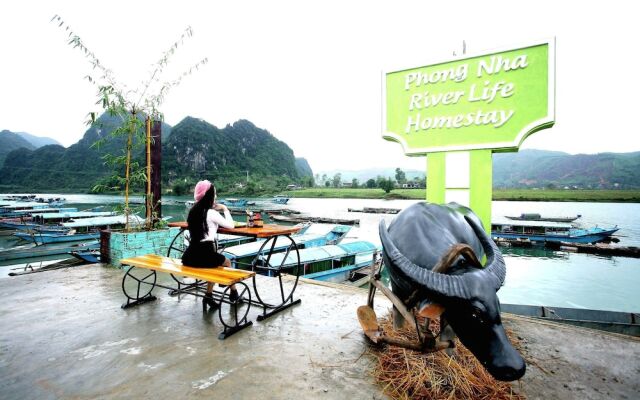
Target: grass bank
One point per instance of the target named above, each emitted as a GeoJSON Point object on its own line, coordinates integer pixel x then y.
{"type": "Point", "coordinates": [615, 196]}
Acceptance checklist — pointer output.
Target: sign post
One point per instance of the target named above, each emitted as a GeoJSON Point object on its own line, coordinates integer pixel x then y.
{"type": "Point", "coordinates": [459, 112]}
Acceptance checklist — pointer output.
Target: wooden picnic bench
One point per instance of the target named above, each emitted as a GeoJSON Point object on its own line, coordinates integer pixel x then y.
{"type": "Point", "coordinates": [236, 314]}
{"type": "Point", "coordinates": [270, 233]}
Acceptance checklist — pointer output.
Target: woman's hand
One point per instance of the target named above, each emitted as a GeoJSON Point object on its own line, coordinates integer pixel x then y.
{"type": "Point", "coordinates": [219, 207]}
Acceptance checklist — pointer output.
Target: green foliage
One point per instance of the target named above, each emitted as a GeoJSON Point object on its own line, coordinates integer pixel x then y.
{"type": "Point", "coordinates": [386, 184]}
{"type": "Point", "coordinates": [551, 169]}
{"type": "Point", "coordinates": [400, 176]}
{"type": "Point", "coordinates": [337, 178]}
{"type": "Point", "coordinates": [181, 187]}
{"type": "Point", "coordinates": [303, 168]}
{"type": "Point", "coordinates": [121, 102]}
{"type": "Point", "coordinates": [371, 183]}
{"type": "Point", "coordinates": [308, 181]}
{"type": "Point", "coordinates": [10, 141]}
{"type": "Point", "coordinates": [251, 189]}
{"type": "Point", "coordinates": [198, 150]}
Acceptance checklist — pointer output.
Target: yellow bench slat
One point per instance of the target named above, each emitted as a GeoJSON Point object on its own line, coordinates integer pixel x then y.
{"type": "Point", "coordinates": [219, 275]}
{"type": "Point", "coordinates": [230, 272]}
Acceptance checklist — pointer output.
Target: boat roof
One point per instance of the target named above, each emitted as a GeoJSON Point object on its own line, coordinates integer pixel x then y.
{"type": "Point", "coordinates": [247, 249]}
{"type": "Point", "coordinates": [26, 204]}
{"type": "Point", "coordinates": [319, 231]}
{"type": "Point", "coordinates": [42, 210]}
{"type": "Point", "coordinates": [77, 214]}
{"type": "Point", "coordinates": [359, 246]}
{"type": "Point", "coordinates": [541, 224]}
{"type": "Point", "coordinates": [322, 253]}
{"type": "Point", "coordinates": [103, 221]}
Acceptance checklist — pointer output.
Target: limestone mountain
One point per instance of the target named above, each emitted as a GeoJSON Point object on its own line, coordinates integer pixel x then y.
{"type": "Point", "coordinates": [37, 141]}
{"type": "Point", "coordinates": [303, 167]}
{"type": "Point", "coordinates": [53, 167]}
{"type": "Point", "coordinates": [10, 141]}
{"type": "Point", "coordinates": [192, 150]}
{"type": "Point", "coordinates": [198, 149]}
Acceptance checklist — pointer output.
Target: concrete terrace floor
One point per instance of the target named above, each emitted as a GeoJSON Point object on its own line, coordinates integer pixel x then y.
{"type": "Point", "coordinates": [64, 335]}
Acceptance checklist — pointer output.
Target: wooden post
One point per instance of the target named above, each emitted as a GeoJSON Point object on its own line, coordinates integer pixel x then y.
{"type": "Point", "coordinates": [148, 205]}
{"type": "Point", "coordinates": [156, 170]}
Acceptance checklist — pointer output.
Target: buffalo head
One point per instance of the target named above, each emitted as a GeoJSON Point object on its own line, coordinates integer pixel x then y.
{"type": "Point", "coordinates": [416, 243]}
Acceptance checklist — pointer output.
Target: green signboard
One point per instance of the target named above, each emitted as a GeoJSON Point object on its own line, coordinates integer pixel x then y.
{"type": "Point", "coordinates": [490, 101]}
{"type": "Point", "coordinates": [459, 112]}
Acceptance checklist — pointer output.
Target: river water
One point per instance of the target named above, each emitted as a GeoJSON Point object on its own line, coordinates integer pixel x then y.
{"type": "Point", "coordinates": [534, 276]}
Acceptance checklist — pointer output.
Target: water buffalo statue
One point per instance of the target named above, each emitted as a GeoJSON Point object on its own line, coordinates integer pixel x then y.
{"type": "Point", "coordinates": [432, 254]}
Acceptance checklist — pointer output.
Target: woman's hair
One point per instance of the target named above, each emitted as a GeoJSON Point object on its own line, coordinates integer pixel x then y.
{"type": "Point", "coordinates": [197, 219]}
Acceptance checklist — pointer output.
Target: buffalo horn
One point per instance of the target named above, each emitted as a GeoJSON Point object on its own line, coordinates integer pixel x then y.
{"type": "Point", "coordinates": [448, 285]}
{"type": "Point", "coordinates": [495, 263]}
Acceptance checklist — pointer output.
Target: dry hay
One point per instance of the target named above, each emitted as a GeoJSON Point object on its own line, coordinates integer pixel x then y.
{"type": "Point", "coordinates": [407, 374]}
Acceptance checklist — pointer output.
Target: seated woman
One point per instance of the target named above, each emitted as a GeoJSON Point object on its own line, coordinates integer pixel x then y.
{"type": "Point", "coordinates": [203, 222]}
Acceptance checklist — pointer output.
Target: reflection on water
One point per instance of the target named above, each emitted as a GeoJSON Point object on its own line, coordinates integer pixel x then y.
{"type": "Point", "coordinates": [577, 280]}
{"type": "Point", "coordinates": [533, 252]}
{"type": "Point", "coordinates": [536, 276]}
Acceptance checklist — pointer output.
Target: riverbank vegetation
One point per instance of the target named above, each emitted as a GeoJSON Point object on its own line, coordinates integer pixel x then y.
{"type": "Point", "coordinates": [631, 196]}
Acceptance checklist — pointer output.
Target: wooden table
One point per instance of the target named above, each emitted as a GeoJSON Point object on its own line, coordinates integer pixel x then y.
{"type": "Point", "coordinates": [266, 231]}
{"type": "Point", "coordinates": [270, 232]}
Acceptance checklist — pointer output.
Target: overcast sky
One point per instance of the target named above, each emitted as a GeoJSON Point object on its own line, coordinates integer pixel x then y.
{"type": "Point", "coordinates": [310, 71]}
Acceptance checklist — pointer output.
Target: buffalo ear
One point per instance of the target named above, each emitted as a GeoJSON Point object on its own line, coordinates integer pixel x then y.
{"type": "Point", "coordinates": [430, 310]}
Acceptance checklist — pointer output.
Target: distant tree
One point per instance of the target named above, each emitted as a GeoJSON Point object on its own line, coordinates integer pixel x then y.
{"type": "Point", "coordinates": [371, 183]}
{"type": "Point", "coordinates": [387, 185]}
{"type": "Point", "coordinates": [282, 182]}
{"type": "Point", "coordinates": [180, 188]}
{"type": "Point", "coordinates": [324, 177]}
{"type": "Point", "coordinates": [327, 183]}
{"type": "Point", "coordinates": [251, 188]}
{"type": "Point", "coordinates": [354, 183]}
{"type": "Point", "coordinates": [400, 176]}
{"type": "Point", "coordinates": [337, 178]}
{"type": "Point", "coordinates": [308, 182]}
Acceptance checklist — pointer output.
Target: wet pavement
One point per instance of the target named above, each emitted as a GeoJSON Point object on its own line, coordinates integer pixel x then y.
{"type": "Point", "coordinates": [64, 335]}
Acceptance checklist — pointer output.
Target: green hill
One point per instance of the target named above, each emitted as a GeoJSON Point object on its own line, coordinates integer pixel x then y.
{"type": "Point", "coordinates": [198, 150]}
{"type": "Point", "coordinates": [192, 150]}
{"type": "Point", "coordinates": [548, 169]}
{"type": "Point", "coordinates": [10, 141]}
{"type": "Point", "coordinates": [37, 141]}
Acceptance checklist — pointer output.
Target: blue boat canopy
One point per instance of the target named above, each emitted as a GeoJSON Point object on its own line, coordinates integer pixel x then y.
{"type": "Point", "coordinates": [103, 221]}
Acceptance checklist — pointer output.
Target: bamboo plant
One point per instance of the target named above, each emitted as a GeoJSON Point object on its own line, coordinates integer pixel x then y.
{"type": "Point", "coordinates": [128, 104]}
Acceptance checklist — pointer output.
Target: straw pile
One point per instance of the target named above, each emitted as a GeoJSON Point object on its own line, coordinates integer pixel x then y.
{"type": "Point", "coordinates": [406, 374]}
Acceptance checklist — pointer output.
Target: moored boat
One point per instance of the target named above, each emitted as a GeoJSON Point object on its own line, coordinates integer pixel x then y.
{"type": "Point", "coordinates": [546, 231]}
{"type": "Point", "coordinates": [242, 255]}
{"type": "Point", "coordinates": [80, 229]}
{"type": "Point", "coordinates": [45, 238]}
{"type": "Point", "coordinates": [233, 202]}
{"type": "Point", "coordinates": [88, 255]}
{"type": "Point", "coordinates": [330, 263]}
{"type": "Point", "coordinates": [303, 218]}
{"type": "Point", "coordinates": [32, 251]}
{"type": "Point", "coordinates": [280, 199]}
{"type": "Point", "coordinates": [538, 217]}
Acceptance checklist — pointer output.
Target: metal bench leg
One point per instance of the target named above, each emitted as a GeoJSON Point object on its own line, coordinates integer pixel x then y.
{"type": "Point", "coordinates": [132, 275]}
{"type": "Point", "coordinates": [238, 310]}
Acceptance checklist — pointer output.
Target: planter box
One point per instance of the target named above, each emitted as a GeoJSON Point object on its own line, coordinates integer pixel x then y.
{"type": "Point", "coordinates": [115, 245]}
